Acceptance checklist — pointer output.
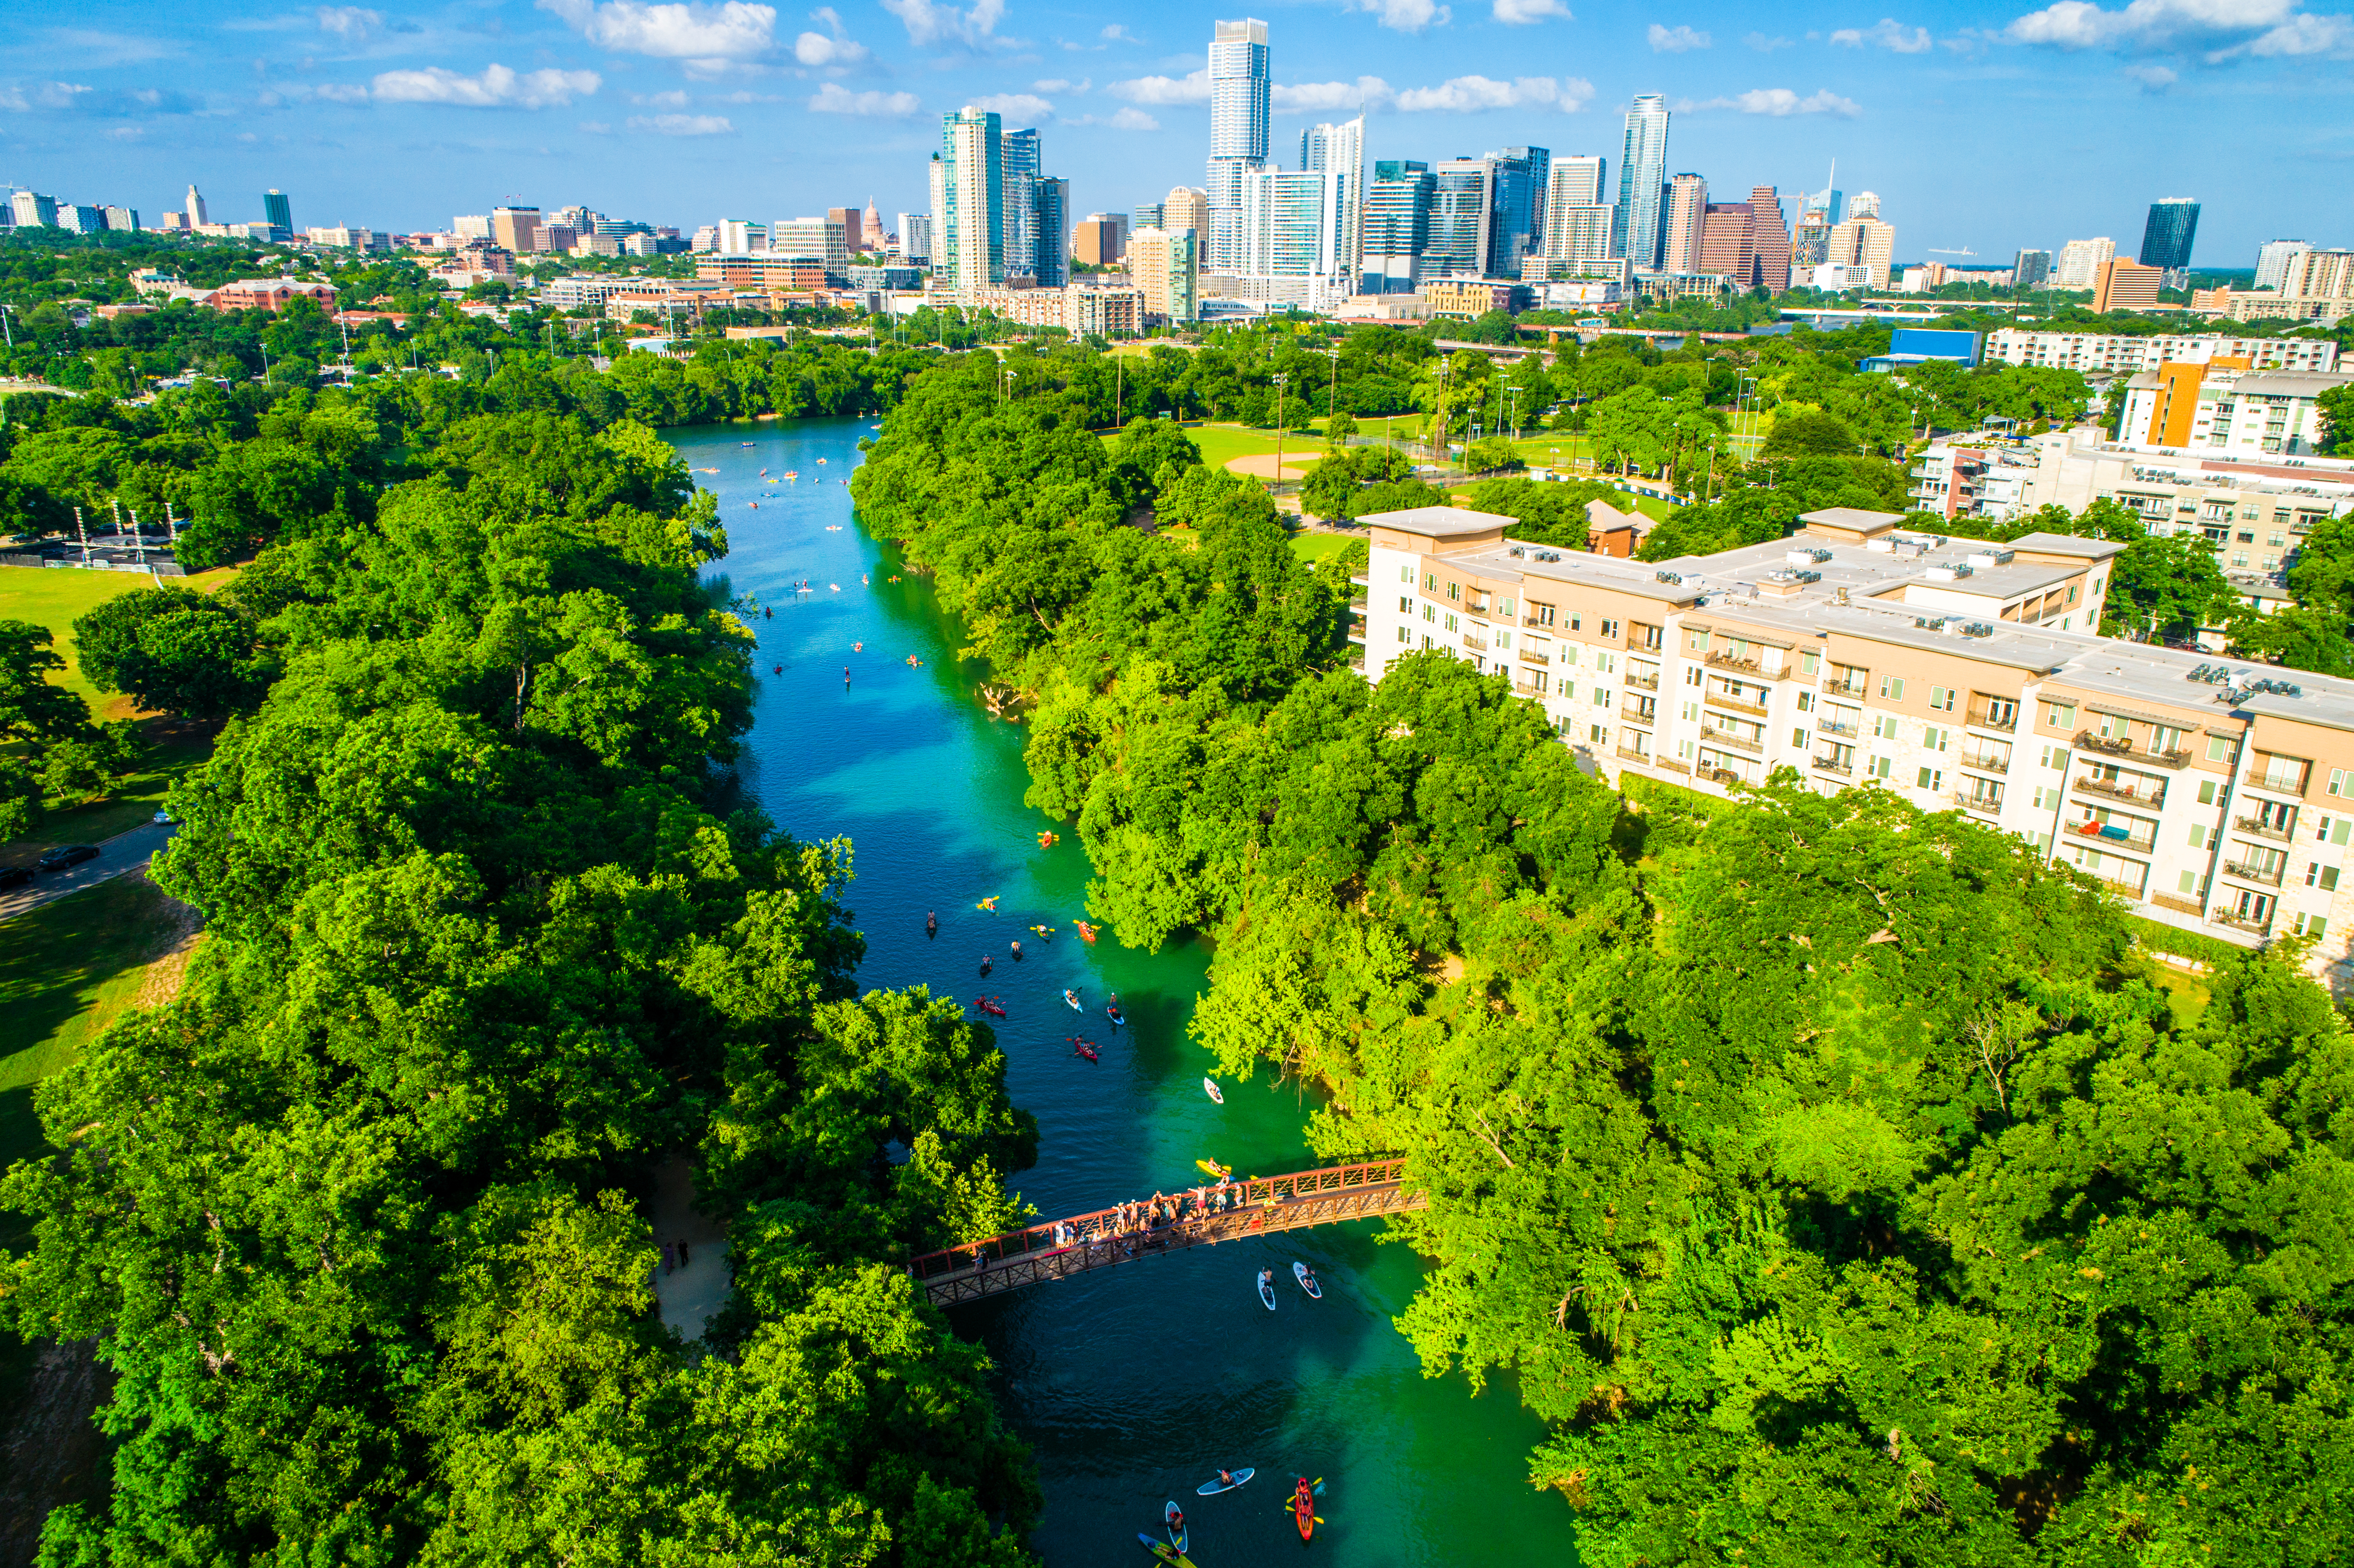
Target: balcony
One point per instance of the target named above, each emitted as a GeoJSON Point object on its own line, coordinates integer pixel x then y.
{"type": "Point", "coordinates": [1718, 699]}
{"type": "Point", "coordinates": [2153, 799]}
{"type": "Point", "coordinates": [1746, 666]}
{"type": "Point", "coordinates": [2256, 827]}
{"type": "Point", "coordinates": [1988, 805]}
{"type": "Point", "coordinates": [1362, 579]}
{"type": "Point", "coordinates": [1988, 762]}
{"type": "Point", "coordinates": [1527, 689]}
{"type": "Point", "coordinates": [1478, 644]}
{"type": "Point", "coordinates": [1540, 625]}
{"type": "Point", "coordinates": [1636, 715]}
{"type": "Point", "coordinates": [2131, 890]}
{"type": "Point", "coordinates": [2290, 784]}
{"type": "Point", "coordinates": [1724, 776]}
{"type": "Point", "coordinates": [1845, 731]}
{"type": "Point", "coordinates": [1648, 682]}
{"type": "Point", "coordinates": [2180, 906]}
{"type": "Point", "coordinates": [2256, 875]}
{"type": "Point", "coordinates": [2119, 746]}
{"type": "Point", "coordinates": [1738, 742]}
{"type": "Point", "coordinates": [1530, 656]}
{"type": "Point", "coordinates": [1847, 688]}
{"type": "Point", "coordinates": [1830, 765]}
{"type": "Point", "coordinates": [1980, 718]}
{"type": "Point", "coordinates": [2240, 922]}
{"type": "Point", "coordinates": [2132, 842]}
{"type": "Point", "coordinates": [1357, 635]}
{"type": "Point", "coordinates": [1631, 755]}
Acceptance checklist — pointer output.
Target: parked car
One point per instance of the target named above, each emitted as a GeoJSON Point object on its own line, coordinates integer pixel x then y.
{"type": "Point", "coordinates": [15, 875]}
{"type": "Point", "coordinates": [64, 856]}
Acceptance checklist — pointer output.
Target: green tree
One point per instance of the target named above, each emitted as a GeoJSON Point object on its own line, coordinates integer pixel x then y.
{"type": "Point", "coordinates": [174, 649]}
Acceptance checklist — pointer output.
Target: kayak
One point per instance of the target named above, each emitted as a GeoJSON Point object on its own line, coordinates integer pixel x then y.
{"type": "Point", "coordinates": [1266, 1293]}
{"type": "Point", "coordinates": [1212, 1168]}
{"type": "Point", "coordinates": [1307, 1281]}
{"type": "Point", "coordinates": [1211, 1488]}
{"type": "Point", "coordinates": [1303, 1509]}
{"type": "Point", "coordinates": [1163, 1553]}
{"type": "Point", "coordinates": [1073, 998]}
{"type": "Point", "coordinates": [1210, 1087]}
{"type": "Point", "coordinates": [1112, 1012]}
{"type": "Point", "coordinates": [1174, 1518]}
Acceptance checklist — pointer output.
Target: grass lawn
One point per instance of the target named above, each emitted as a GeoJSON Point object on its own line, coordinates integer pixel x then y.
{"type": "Point", "coordinates": [1302, 449]}
{"type": "Point", "coordinates": [1314, 547]}
{"type": "Point", "coordinates": [66, 971]}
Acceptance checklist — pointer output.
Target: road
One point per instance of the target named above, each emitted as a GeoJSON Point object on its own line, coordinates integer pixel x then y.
{"type": "Point", "coordinates": [122, 852]}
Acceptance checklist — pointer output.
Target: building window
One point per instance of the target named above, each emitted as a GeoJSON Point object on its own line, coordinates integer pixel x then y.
{"type": "Point", "coordinates": [2206, 791]}
{"type": "Point", "coordinates": [1430, 612]}
{"type": "Point", "coordinates": [1598, 734]}
{"type": "Point", "coordinates": [1406, 573]}
{"type": "Point", "coordinates": [1430, 582]}
{"type": "Point", "coordinates": [1798, 738]}
{"type": "Point", "coordinates": [1931, 780]}
{"type": "Point", "coordinates": [1809, 661]}
{"type": "Point", "coordinates": [1805, 702]}
{"type": "Point", "coordinates": [1575, 620]}
{"type": "Point", "coordinates": [2198, 836]}
{"type": "Point", "coordinates": [2059, 715]}
{"type": "Point", "coordinates": [1695, 642]}
{"type": "Point", "coordinates": [1884, 727]}
{"type": "Point", "coordinates": [2219, 748]}
{"type": "Point", "coordinates": [1942, 698]}
{"type": "Point", "coordinates": [2311, 925]}
{"type": "Point", "coordinates": [1404, 635]}
{"type": "Point", "coordinates": [1504, 608]}
{"type": "Point", "coordinates": [1693, 675]}
{"type": "Point", "coordinates": [1454, 592]}
{"type": "Point", "coordinates": [1601, 698]}
{"type": "Point", "coordinates": [1880, 766]}
{"type": "Point", "coordinates": [1692, 713]}
{"type": "Point", "coordinates": [1405, 604]}
{"type": "Point", "coordinates": [2239, 557]}
{"type": "Point", "coordinates": [1451, 624]}
{"type": "Point", "coordinates": [1504, 641]}
{"type": "Point", "coordinates": [2325, 877]}
{"type": "Point", "coordinates": [1609, 631]}
{"type": "Point", "coordinates": [1892, 687]}
{"type": "Point", "coordinates": [2337, 782]}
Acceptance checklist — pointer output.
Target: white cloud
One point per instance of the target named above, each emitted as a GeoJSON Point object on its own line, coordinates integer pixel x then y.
{"type": "Point", "coordinates": [1520, 12]}
{"type": "Point", "coordinates": [342, 92]}
{"type": "Point", "coordinates": [835, 98]}
{"type": "Point", "coordinates": [730, 31]}
{"type": "Point", "coordinates": [1887, 34]}
{"type": "Point", "coordinates": [1321, 96]}
{"type": "Point", "coordinates": [928, 22]}
{"type": "Point", "coordinates": [497, 88]}
{"type": "Point", "coordinates": [596, 128]}
{"type": "Point", "coordinates": [1763, 45]}
{"type": "Point", "coordinates": [832, 47]}
{"type": "Point", "coordinates": [1779, 102]}
{"type": "Point", "coordinates": [350, 23]}
{"type": "Point", "coordinates": [2153, 78]}
{"type": "Point", "coordinates": [672, 100]}
{"type": "Point", "coordinates": [1116, 34]}
{"type": "Point", "coordinates": [1164, 90]}
{"type": "Point", "coordinates": [2224, 28]}
{"type": "Point", "coordinates": [1060, 84]}
{"type": "Point", "coordinates": [1124, 120]}
{"type": "Point", "coordinates": [1405, 15]}
{"type": "Point", "coordinates": [1470, 94]}
{"type": "Point", "coordinates": [1013, 105]}
{"type": "Point", "coordinates": [683, 124]}
{"type": "Point", "coordinates": [1675, 40]}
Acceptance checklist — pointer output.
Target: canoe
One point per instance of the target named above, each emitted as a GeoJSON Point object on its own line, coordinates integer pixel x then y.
{"type": "Point", "coordinates": [1267, 1294]}
{"type": "Point", "coordinates": [1307, 1280]}
{"type": "Point", "coordinates": [1211, 1488]}
{"type": "Point", "coordinates": [1210, 1087]}
{"type": "Point", "coordinates": [1173, 1519]}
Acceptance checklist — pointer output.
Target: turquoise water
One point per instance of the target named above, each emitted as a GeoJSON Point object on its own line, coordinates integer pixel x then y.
{"type": "Point", "coordinates": [1134, 1383]}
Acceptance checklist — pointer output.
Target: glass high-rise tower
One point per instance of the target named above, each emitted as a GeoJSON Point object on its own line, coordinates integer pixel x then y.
{"type": "Point", "coordinates": [969, 200]}
{"type": "Point", "coordinates": [1340, 151]}
{"type": "Point", "coordinates": [2166, 237]}
{"type": "Point", "coordinates": [280, 213]}
{"type": "Point", "coordinates": [1021, 164]}
{"type": "Point", "coordinates": [1241, 90]}
{"type": "Point", "coordinates": [1642, 183]}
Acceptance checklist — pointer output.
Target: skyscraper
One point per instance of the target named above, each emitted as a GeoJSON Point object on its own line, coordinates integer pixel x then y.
{"type": "Point", "coordinates": [854, 226]}
{"type": "Point", "coordinates": [1340, 151]}
{"type": "Point", "coordinates": [1863, 241]}
{"type": "Point", "coordinates": [2031, 268]}
{"type": "Point", "coordinates": [517, 228]}
{"type": "Point", "coordinates": [969, 219]}
{"type": "Point", "coordinates": [1577, 213]}
{"type": "Point", "coordinates": [1050, 225]}
{"type": "Point", "coordinates": [1516, 213]}
{"type": "Point", "coordinates": [1241, 88]}
{"type": "Point", "coordinates": [915, 236]}
{"type": "Point", "coordinates": [1770, 241]}
{"type": "Point", "coordinates": [1166, 270]}
{"type": "Point", "coordinates": [1395, 226]}
{"type": "Point", "coordinates": [1188, 206]}
{"type": "Point", "coordinates": [1291, 224]}
{"type": "Point", "coordinates": [1461, 205]}
{"type": "Point", "coordinates": [2276, 260]}
{"type": "Point", "coordinates": [1680, 250]}
{"type": "Point", "coordinates": [1642, 183]}
{"type": "Point", "coordinates": [2166, 237]}
{"type": "Point", "coordinates": [196, 214]}
{"type": "Point", "coordinates": [280, 214]}
{"type": "Point", "coordinates": [1020, 159]}
{"type": "Point", "coordinates": [2080, 262]}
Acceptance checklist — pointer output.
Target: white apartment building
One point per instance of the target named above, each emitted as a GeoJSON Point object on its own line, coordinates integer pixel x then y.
{"type": "Point", "coordinates": [2110, 353]}
{"type": "Point", "coordinates": [2080, 262]}
{"type": "Point", "coordinates": [2223, 408]}
{"type": "Point", "coordinates": [2253, 511]}
{"type": "Point", "coordinates": [2210, 796]}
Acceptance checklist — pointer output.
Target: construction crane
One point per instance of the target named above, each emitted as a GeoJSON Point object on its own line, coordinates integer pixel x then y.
{"type": "Point", "coordinates": [1941, 250]}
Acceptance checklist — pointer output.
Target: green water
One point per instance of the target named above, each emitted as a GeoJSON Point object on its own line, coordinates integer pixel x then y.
{"type": "Point", "coordinates": [1133, 1383]}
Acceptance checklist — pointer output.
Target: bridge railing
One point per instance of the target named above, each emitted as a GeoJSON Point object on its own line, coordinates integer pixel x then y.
{"type": "Point", "coordinates": [1383, 1171]}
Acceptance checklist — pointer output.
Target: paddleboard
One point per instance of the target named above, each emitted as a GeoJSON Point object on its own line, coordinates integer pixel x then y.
{"type": "Point", "coordinates": [1160, 1550]}
{"type": "Point", "coordinates": [1173, 1519]}
{"type": "Point", "coordinates": [1210, 1087]}
{"type": "Point", "coordinates": [1266, 1293]}
{"type": "Point", "coordinates": [1307, 1280]}
{"type": "Point", "coordinates": [1211, 1488]}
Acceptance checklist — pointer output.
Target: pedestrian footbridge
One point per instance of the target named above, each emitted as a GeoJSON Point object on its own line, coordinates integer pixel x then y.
{"type": "Point", "coordinates": [1231, 1210]}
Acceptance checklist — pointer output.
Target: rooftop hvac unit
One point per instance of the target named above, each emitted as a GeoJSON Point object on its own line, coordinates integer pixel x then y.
{"type": "Point", "coordinates": [1976, 629]}
{"type": "Point", "coordinates": [1520, 551]}
{"type": "Point", "coordinates": [1548, 555]}
{"type": "Point", "coordinates": [1929, 623]}
{"type": "Point", "coordinates": [1675, 578]}
{"type": "Point", "coordinates": [1950, 574]}
{"type": "Point", "coordinates": [1804, 557]}
{"type": "Point", "coordinates": [1991, 558]}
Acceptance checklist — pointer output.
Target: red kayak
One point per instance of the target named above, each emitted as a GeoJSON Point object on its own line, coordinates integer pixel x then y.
{"type": "Point", "coordinates": [1303, 1509]}
{"type": "Point", "coordinates": [989, 1007]}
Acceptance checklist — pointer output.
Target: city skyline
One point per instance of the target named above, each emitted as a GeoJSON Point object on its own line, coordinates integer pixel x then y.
{"type": "Point", "coordinates": [679, 112]}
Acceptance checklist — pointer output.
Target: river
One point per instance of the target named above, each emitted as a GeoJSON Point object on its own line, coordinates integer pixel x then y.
{"type": "Point", "coordinates": [1133, 1383]}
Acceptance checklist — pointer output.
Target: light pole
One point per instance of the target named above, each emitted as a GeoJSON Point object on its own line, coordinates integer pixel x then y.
{"type": "Point", "coordinates": [1280, 377]}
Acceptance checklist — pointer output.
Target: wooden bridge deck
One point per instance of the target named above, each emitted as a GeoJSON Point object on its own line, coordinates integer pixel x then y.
{"type": "Point", "coordinates": [1078, 1243]}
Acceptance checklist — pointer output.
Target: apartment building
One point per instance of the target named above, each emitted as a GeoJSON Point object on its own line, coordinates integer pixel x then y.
{"type": "Point", "coordinates": [2256, 509]}
{"type": "Point", "coordinates": [1971, 476]}
{"type": "Point", "coordinates": [2222, 406]}
{"type": "Point", "coordinates": [2122, 285]}
{"type": "Point", "coordinates": [1105, 312]}
{"type": "Point", "coordinates": [2110, 353]}
{"type": "Point", "coordinates": [2211, 795]}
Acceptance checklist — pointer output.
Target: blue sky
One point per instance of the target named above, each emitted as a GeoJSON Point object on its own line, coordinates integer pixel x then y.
{"type": "Point", "coordinates": [1981, 127]}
